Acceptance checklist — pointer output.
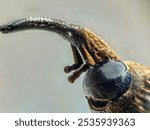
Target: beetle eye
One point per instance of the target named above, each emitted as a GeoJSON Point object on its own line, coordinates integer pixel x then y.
{"type": "Point", "coordinates": [97, 104]}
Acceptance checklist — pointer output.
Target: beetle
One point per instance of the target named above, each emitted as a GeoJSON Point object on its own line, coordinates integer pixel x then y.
{"type": "Point", "coordinates": [110, 84]}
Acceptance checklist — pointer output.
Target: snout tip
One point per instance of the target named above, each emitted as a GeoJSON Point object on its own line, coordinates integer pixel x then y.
{"type": "Point", "coordinates": [4, 28]}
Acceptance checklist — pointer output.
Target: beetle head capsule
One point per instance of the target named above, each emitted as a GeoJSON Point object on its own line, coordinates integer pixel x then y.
{"type": "Point", "coordinates": [105, 82]}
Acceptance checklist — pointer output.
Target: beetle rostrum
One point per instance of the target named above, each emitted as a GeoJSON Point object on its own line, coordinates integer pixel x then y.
{"type": "Point", "coordinates": [109, 85]}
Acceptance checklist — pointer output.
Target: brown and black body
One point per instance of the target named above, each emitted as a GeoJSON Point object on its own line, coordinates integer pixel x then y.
{"type": "Point", "coordinates": [88, 51]}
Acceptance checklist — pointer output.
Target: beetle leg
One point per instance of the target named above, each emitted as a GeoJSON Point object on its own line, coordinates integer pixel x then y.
{"type": "Point", "coordinates": [77, 73]}
{"type": "Point", "coordinates": [77, 59]}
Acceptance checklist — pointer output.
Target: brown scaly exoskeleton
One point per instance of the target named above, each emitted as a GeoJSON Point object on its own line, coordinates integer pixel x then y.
{"type": "Point", "coordinates": [119, 87]}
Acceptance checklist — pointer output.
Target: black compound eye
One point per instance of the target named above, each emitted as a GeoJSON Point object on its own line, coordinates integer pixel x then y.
{"type": "Point", "coordinates": [107, 80]}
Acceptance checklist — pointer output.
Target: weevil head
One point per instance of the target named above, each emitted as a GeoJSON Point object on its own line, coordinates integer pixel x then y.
{"type": "Point", "coordinates": [105, 83]}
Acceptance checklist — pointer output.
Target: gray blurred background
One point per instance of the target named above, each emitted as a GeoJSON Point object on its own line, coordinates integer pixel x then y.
{"type": "Point", "coordinates": [31, 62]}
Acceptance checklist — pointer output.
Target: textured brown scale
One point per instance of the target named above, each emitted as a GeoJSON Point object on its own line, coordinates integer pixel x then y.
{"type": "Point", "coordinates": [88, 58]}
{"type": "Point", "coordinates": [99, 46]}
{"type": "Point", "coordinates": [140, 86]}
